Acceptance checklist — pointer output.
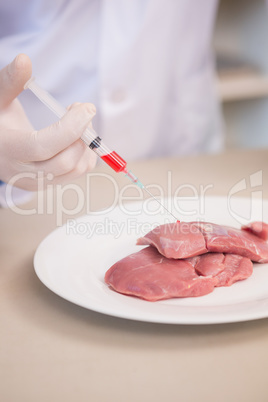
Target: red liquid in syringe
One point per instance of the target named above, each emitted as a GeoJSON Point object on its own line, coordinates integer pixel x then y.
{"type": "Point", "coordinates": [114, 161]}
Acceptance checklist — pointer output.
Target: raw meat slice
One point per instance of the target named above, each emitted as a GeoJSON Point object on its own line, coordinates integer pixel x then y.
{"type": "Point", "coordinates": [208, 264]}
{"type": "Point", "coordinates": [224, 239]}
{"type": "Point", "coordinates": [184, 240]}
{"type": "Point", "coordinates": [150, 276]}
{"type": "Point", "coordinates": [226, 268]}
{"type": "Point", "coordinates": [236, 268]}
{"type": "Point", "coordinates": [259, 229]}
{"type": "Point", "coordinates": [176, 240]}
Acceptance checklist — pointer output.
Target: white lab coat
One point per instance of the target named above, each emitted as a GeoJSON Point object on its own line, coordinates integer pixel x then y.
{"type": "Point", "coordinates": [146, 64]}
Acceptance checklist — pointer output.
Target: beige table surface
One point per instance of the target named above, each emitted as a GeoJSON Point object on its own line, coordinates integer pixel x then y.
{"type": "Point", "coordinates": [53, 350]}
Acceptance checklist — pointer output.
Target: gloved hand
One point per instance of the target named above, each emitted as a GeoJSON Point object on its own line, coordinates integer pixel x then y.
{"type": "Point", "coordinates": [55, 150]}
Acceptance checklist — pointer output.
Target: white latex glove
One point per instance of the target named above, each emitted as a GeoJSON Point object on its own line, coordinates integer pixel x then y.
{"type": "Point", "coordinates": [55, 150]}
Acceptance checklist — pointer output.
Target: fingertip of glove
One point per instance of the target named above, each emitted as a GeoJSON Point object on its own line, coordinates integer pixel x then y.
{"type": "Point", "coordinates": [21, 63]}
{"type": "Point", "coordinates": [87, 110]}
{"type": "Point", "coordinates": [91, 109]}
{"type": "Point", "coordinates": [79, 116]}
{"type": "Point", "coordinates": [22, 60]}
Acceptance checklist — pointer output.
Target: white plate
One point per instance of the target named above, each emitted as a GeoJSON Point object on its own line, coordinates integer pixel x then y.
{"type": "Point", "coordinates": [73, 259]}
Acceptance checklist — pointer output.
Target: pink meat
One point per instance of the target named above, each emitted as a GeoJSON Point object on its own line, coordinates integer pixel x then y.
{"type": "Point", "coordinates": [208, 264]}
{"type": "Point", "coordinates": [259, 229]}
{"type": "Point", "coordinates": [150, 276]}
{"type": "Point", "coordinates": [224, 239]}
{"type": "Point", "coordinates": [176, 240]}
{"type": "Point", "coordinates": [236, 268]}
{"type": "Point", "coordinates": [226, 268]}
{"type": "Point", "coordinates": [184, 240]}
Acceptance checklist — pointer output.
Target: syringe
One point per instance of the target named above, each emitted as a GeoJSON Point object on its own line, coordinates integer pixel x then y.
{"type": "Point", "coordinates": [90, 138]}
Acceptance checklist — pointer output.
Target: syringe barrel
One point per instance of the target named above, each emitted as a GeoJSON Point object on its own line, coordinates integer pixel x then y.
{"type": "Point", "coordinates": [89, 137]}
{"type": "Point", "coordinates": [45, 98]}
{"type": "Point", "coordinates": [95, 143]}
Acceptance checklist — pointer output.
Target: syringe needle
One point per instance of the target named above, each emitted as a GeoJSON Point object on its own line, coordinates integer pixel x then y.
{"type": "Point", "coordinates": [138, 183]}
{"type": "Point", "coordinates": [151, 195]}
